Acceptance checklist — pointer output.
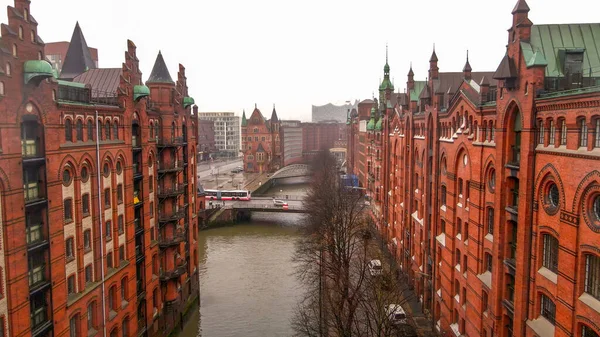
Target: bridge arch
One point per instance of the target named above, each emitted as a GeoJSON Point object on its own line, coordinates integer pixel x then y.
{"type": "Point", "coordinates": [291, 171]}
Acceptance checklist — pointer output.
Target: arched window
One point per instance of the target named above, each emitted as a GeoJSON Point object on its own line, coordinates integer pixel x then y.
{"type": "Point", "coordinates": [541, 132]}
{"type": "Point", "coordinates": [552, 132]}
{"type": "Point", "coordinates": [582, 132]}
{"type": "Point", "coordinates": [68, 130]}
{"type": "Point", "coordinates": [79, 130]}
{"type": "Point", "coordinates": [33, 36]}
{"type": "Point", "coordinates": [15, 50]}
{"type": "Point", "coordinates": [550, 252]}
{"type": "Point", "coordinates": [100, 134]}
{"type": "Point", "coordinates": [8, 69]}
{"type": "Point", "coordinates": [115, 130]}
{"type": "Point", "coordinates": [107, 130]}
{"type": "Point", "coordinates": [21, 32]}
{"type": "Point", "coordinates": [1, 88]}
{"type": "Point", "coordinates": [90, 130]}
{"type": "Point", "coordinates": [597, 133]}
{"type": "Point", "coordinates": [588, 332]}
{"type": "Point", "coordinates": [592, 276]}
{"type": "Point", "coordinates": [25, 15]}
{"type": "Point", "coordinates": [563, 132]}
{"type": "Point", "coordinates": [151, 130]}
{"type": "Point", "coordinates": [547, 308]}
{"type": "Point", "coordinates": [516, 148]}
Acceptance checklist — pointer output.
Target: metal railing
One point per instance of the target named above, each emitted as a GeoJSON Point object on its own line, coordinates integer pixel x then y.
{"type": "Point", "coordinates": [170, 141]}
{"type": "Point", "coordinates": [169, 166]}
{"type": "Point", "coordinates": [172, 215]}
{"type": "Point", "coordinates": [176, 239]}
{"type": "Point", "coordinates": [176, 272]}
{"type": "Point", "coordinates": [171, 191]}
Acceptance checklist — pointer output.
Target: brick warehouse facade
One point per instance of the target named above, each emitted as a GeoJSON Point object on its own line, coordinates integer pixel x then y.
{"type": "Point", "coordinates": [94, 172]}
{"type": "Point", "coordinates": [261, 142]}
{"type": "Point", "coordinates": [490, 193]}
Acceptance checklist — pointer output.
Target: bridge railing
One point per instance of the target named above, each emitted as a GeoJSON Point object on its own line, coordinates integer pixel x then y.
{"type": "Point", "coordinates": [266, 206]}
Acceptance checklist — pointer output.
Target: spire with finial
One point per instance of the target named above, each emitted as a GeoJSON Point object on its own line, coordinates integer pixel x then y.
{"type": "Point", "coordinates": [433, 68]}
{"type": "Point", "coordinates": [244, 120]}
{"type": "Point", "coordinates": [386, 84]}
{"type": "Point", "coordinates": [78, 58]}
{"type": "Point", "coordinates": [274, 118]}
{"type": "Point", "coordinates": [467, 68]}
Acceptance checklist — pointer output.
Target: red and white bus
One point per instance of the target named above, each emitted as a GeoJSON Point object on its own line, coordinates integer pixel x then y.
{"type": "Point", "coordinates": [227, 195]}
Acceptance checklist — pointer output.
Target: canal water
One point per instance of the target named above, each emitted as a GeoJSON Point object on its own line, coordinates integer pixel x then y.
{"type": "Point", "coordinates": [247, 286]}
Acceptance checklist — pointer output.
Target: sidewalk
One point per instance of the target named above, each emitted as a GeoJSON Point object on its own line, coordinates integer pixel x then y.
{"type": "Point", "coordinates": [411, 305]}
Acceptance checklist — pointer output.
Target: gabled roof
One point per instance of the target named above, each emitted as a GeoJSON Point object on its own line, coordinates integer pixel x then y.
{"type": "Point", "coordinates": [256, 115]}
{"type": "Point", "coordinates": [506, 69]}
{"type": "Point", "coordinates": [260, 148]}
{"type": "Point", "coordinates": [103, 81]}
{"type": "Point", "coordinates": [450, 82]}
{"type": "Point", "coordinates": [160, 72]}
{"type": "Point", "coordinates": [418, 87]}
{"type": "Point", "coordinates": [78, 59]}
{"type": "Point", "coordinates": [550, 43]}
{"type": "Point", "coordinates": [521, 7]}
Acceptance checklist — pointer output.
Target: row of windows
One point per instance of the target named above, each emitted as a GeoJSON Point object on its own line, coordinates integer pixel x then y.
{"type": "Point", "coordinates": [105, 131]}
{"type": "Point", "coordinates": [92, 319]}
{"type": "Point", "coordinates": [548, 132]}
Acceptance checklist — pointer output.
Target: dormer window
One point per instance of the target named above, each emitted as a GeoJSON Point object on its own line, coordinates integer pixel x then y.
{"type": "Point", "coordinates": [573, 69]}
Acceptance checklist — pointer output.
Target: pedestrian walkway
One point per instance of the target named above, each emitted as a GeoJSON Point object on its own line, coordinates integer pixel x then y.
{"type": "Point", "coordinates": [254, 181]}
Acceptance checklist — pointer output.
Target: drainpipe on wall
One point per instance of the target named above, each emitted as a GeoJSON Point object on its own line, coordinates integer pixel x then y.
{"type": "Point", "coordinates": [98, 175]}
{"type": "Point", "coordinates": [528, 261]}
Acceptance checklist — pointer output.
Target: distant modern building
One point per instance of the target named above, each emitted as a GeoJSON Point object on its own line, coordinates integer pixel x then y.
{"type": "Point", "coordinates": [291, 135]}
{"type": "Point", "coordinates": [227, 132]}
{"type": "Point", "coordinates": [332, 113]}
{"type": "Point", "coordinates": [56, 52]}
{"type": "Point", "coordinates": [206, 138]}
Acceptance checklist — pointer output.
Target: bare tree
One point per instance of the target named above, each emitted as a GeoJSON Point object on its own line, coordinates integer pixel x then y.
{"type": "Point", "coordinates": [332, 253]}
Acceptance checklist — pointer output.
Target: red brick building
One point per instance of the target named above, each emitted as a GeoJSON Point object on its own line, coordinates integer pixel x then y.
{"type": "Point", "coordinates": [490, 196]}
{"type": "Point", "coordinates": [261, 142]}
{"type": "Point", "coordinates": [98, 215]}
{"type": "Point", "coordinates": [206, 138]}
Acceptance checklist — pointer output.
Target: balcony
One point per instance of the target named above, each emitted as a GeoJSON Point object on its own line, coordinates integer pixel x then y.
{"type": "Point", "coordinates": [31, 152]}
{"type": "Point", "coordinates": [37, 279]}
{"type": "Point", "coordinates": [172, 274]}
{"type": "Point", "coordinates": [169, 167]}
{"type": "Point", "coordinates": [32, 193]}
{"type": "Point", "coordinates": [175, 240]}
{"type": "Point", "coordinates": [515, 157]}
{"type": "Point", "coordinates": [35, 238]}
{"type": "Point", "coordinates": [40, 323]}
{"type": "Point", "coordinates": [171, 191]}
{"type": "Point", "coordinates": [137, 200]}
{"type": "Point", "coordinates": [509, 305]}
{"type": "Point", "coordinates": [172, 215]}
{"type": "Point", "coordinates": [139, 228]}
{"type": "Point", "coordinates": [137, 171]}
{"type": "Point", "coordinates": [139, 253]}
{"type": "Point", "coordinates": [136, 143]}
{"type": "Point", "coordinates": [170, 142]}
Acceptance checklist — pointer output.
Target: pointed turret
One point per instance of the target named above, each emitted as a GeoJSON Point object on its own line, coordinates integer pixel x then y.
{"type": "Point", "coordinates": [160, 73]}
{"type": "Point", "coordinates": [244, 120]}
{"type": "Point", "coordinates": [521, 7]}
{"type": "Point", "coordinates": [274, 118]}
{"type": "Point", "coordinates": [78, 59]}
{"type": "Point", "coordinates": [371, 124]}
{"type": "Point", "coordinates": [433, 67]}
{"type": "Point", "coordinates": [467, 68]}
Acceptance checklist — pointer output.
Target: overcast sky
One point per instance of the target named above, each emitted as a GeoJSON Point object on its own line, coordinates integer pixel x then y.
{"type": "Point", "coordinates": [295, 53]}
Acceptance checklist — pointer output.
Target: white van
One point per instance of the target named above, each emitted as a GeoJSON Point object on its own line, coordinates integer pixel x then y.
{"type": "Point", "coordinates": [280, 203]}
{"type": "Point", "coordinates": [375, 267]}
{"type": "Point", "coordinates": [396, 314]}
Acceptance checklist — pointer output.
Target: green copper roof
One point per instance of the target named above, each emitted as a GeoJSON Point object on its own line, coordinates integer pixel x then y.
{"type": "Point", "coordinates": [379, 125]}
{"type": "Point", "coordinates": [554, 41]}
{"type": "Point", "coordinates": [418, 87]}
{"type": "Point", "coordinates": [71, 84]}
{"type": "Point", "coordinates": [532, 57]}
{"type": "Point", "coordinates": [371, 124]}
{"type": "Point", "coordinates": [140, 91]}
{"type": "Point", "coordinates": [187, 101]}
{"type": "Point", "coordinates": [244, 120]}
{"type": "Point", "coordinates": [37, 69]}
{"type": "Point", "coordinates": [386, 84]}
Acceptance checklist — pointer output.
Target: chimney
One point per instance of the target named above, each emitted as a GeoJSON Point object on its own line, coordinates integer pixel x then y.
{"type": "Point", "coordinates": [433, 67]}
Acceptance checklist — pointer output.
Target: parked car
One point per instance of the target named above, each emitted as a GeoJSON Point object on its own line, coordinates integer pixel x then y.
{"type": "Point", "coordinates": [279, 203]}
{"type": "Point", "coordinates": [238, 169]}
{"type": "Point", "coordinates": [396, 314]}
{"type": "Point", "coordinates": [374, 267]}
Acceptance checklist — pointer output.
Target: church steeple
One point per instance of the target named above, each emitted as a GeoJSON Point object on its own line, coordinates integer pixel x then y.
{"type": "Point", "coordinates": [78, 59]}
{"type": "Point", "coordinates": [244, 120]}
{"type": "Point", "coordinates": [386, 87]}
